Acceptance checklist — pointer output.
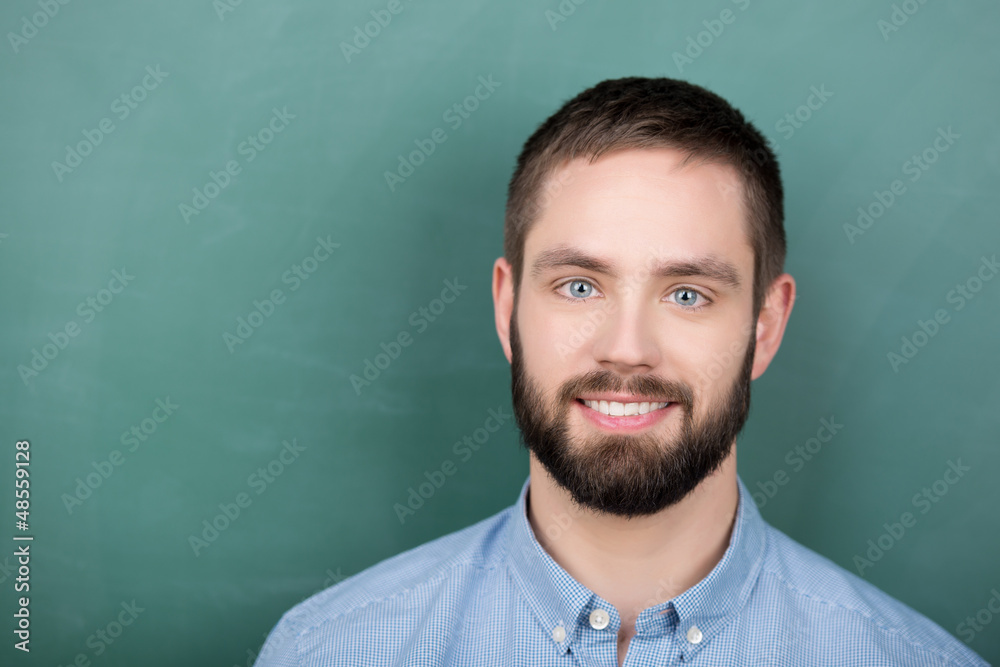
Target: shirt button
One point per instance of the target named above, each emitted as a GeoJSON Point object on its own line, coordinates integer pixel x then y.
{"type": "Point", "coordinates": [559, 633]}
{"type": "Point", "coordinates": [599, 619]}
{"type": "Point", "coordinates": [694, 634]}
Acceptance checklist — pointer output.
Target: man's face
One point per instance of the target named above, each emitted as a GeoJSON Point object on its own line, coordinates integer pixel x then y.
{"type": "Point", "coordinates": [619, 330]}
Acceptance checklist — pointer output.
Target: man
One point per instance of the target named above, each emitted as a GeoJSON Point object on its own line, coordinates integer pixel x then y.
{"type": "Point", "coordinates": [640, 292]}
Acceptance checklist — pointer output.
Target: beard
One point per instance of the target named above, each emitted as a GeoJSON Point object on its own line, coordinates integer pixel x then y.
{"type": "Point", "coordinates": [628, 475]}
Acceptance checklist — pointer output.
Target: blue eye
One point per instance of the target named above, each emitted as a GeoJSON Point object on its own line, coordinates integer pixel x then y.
{"type": "Point", "coordinates": [580, 288]}
{"type": "Point", "coordinates": [686, 297]}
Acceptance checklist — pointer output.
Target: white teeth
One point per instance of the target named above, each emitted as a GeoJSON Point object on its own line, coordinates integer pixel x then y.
{"type": "Point", "coordinates": [615, 409]}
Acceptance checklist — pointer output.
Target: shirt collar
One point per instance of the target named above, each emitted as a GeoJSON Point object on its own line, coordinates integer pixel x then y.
{"type": "Point", "coordinates": [561, 602]}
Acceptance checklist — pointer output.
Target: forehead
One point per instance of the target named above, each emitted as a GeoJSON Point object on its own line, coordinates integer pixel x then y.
{"type": "Point", "coordinates": [637, 205]}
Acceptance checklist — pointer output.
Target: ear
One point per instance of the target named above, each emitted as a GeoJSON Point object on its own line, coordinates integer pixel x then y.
{"type": "Point", "coordinates": [503, 301]}
{"type": "Point", "coordinates": [771, 322]}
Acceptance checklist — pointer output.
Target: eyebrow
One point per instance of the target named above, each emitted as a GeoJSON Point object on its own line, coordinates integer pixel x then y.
{"type": "Point", "coordinates": [709, 267]}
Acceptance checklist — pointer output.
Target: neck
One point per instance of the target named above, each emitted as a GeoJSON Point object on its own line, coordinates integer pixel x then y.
{"type": "Point", "coordinates": [640, 562]}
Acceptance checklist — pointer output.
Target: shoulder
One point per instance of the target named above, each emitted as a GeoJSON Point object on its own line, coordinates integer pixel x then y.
{"type": "Point", "coordinates": [830, 603]}
{"type": "Point", "coordinates": [396, 590]}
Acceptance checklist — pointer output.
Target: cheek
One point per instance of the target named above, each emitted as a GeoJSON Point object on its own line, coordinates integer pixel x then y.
{"type": "Point", "coordinates": [542, 339]}
{"type": "Point", "coordinates": [567, 332]}
{"type": "Point", "coordinates": [545, 329]}
{"type": "Point", "coordinates": [717, 364]}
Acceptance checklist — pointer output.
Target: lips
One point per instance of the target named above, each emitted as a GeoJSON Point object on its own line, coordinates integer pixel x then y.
{"type": "Point", "coordinates": [623, 409]}
{"type": "Point", "coordinates": [625, 422]}
{"type": "Point", "coordinates": [623, 398]}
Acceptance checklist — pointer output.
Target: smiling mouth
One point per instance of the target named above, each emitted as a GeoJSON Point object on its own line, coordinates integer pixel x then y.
{"type": "Point", "coordinates": [615, 409]}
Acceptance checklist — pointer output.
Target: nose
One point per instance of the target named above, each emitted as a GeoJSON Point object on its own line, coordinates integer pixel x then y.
{"type": "Point", "coordinates": [626, 341]}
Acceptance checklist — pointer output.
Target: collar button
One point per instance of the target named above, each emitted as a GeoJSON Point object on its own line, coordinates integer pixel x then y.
{"type": "Point", "coordinates": [599, 619]}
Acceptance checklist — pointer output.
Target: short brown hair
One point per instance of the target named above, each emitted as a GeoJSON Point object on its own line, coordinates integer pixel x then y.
{"type": "Point", "coordinates": [638, 112]}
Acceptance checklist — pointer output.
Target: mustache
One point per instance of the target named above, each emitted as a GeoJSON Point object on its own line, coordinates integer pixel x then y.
{"type": "Point", "coordinates": [643, 385]}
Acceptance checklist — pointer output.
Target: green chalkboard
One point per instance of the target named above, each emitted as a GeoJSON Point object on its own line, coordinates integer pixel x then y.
{"type": "Point", "coordinates": [215, 213]}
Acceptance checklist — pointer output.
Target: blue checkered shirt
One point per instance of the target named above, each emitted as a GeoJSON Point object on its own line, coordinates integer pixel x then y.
{"type": "Point", "coordinates": [489, 594]}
